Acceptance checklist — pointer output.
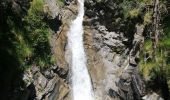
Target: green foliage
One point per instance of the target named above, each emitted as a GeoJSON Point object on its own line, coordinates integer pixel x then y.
{"type": "Point", "coordinates": [134, 9]}
{"type": "Point", "coordinates": [31, 40]}
{"type": "Point", "coordinates": [134, 13]}
{"type": "Point", "coordinates": [126, 8]}
{"type": "Point", "coordinates": [37, 34]}
{"type": "Point", "coordinates": [146, 69]}
{"type": "Point", "coordinates": [151, 69]}
{"type": "Point", "coordinates": [147, 18]}
{"type": "Point", "coordinates": [36, 7]}
{"type": "Point", "coordinates": [161, 67]}
{"type": "Point", "coordinates": [131, 9]}
{"type": "Point", "coordinates": [148, 2]}
{"type": "Point", "coordinates": [148, 45]}
{"type": "Point", "coordinates": [165, 43]}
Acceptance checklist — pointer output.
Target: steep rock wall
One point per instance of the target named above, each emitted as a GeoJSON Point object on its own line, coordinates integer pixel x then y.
{"type": "Point", "coordinates": [112, 49]}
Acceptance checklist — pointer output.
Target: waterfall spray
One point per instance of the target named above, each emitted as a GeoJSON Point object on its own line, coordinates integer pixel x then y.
{"type": "Point", "coordinates": [81, 83]}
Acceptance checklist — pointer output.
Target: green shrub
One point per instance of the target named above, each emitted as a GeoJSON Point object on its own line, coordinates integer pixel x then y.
{"type": "Point", "coordinates": [31, 41]}
{"type": "Point", "coordinates": [134, 13]}
{"type": "Point", "coordinates": [36, 7]}
{"type": "Point", "coordinates": [148, 45]}
{"type": "Point", "coordinates": [165, 43]}
{"type": "Point", "coordinates": [131, 9]}
{"type": "Point", "coordinates": [146, 68]}
{"type": "Point", "coordinates": [148, 2]}
{"type": "Point", "coordinates": [38, 34]}
{"type": "Point", "coordinates": [147, 18]}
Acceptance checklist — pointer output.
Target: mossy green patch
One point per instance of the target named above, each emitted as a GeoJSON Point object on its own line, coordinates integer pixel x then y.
{"type": "Point", "coordinates": [148, 45]}
{"type": "Point", "coordinates": [147, 18]}
{"type": "Point", "coordinates": [134, 13]}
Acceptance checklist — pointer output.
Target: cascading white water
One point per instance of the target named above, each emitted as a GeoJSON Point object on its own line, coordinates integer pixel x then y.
{"type": "Point", "coordinates": [81, 83]}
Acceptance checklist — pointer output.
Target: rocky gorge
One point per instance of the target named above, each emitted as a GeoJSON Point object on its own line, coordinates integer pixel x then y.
{"type": "Point", "coordinates": [112, 42]}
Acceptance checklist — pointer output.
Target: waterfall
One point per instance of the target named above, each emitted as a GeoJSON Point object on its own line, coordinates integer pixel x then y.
{"type": "Point", "coordinates": [81, 83]}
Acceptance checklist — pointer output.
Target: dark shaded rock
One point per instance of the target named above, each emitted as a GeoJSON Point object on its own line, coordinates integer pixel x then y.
{"type": "Point", "coordinates": [130, 87]}
{"type": "Point", "coordinates": [61, 72]}
{"type": "Point", "coordinates": [20, 7]}
{"type": "Point", "coordinates": [113, 93]}
{"type": "Point", "coordinates": [54, 23]}
{"type": "Point", "coordinates": [48, 73]}
{"type": "Point", "coordinates": [132, 62]}
{"type": "Point", "coordinates": [67, 2]}
{"type": "Point", "coordinates": [32, 92]}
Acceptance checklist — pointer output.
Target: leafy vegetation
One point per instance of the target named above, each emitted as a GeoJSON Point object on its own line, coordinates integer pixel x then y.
{"type": "Point", "coordinates": [134, 13]}
{"type": "Point", "coordinates": [31, 39]}
{"type": "Point", "coordinates": [155, 62]}
{"type": "Point", "coordinates": [157, 71]}
{"type": "Point", "coordinates": [148, 18]}
{"type": "Point", "coordinates": [131, 9]}
{"type": "Point", "coordinates": [24, 42]}
{"type": "Point", "coordinates": [35, 37]}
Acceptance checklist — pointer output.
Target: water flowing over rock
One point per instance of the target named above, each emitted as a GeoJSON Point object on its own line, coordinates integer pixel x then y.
{"type": "Point", "coordinates": [81, 82]}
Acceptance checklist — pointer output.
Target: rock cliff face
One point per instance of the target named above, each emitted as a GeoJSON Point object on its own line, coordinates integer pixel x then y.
{"type": "Point", "coordinates": [112, 46]}
{"type": "Point", "coordinates": [112, 51]}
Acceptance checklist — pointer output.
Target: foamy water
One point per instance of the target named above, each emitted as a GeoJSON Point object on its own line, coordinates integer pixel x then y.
{"type": "Point", "coordinates": [81, 82]}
